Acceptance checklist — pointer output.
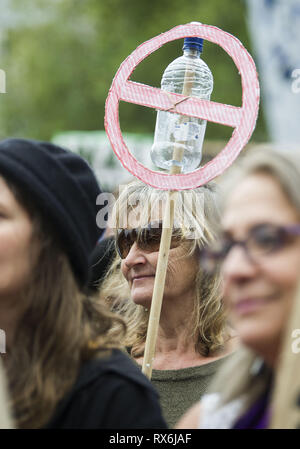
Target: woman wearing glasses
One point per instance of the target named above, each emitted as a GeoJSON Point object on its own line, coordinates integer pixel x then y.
{"type": "Point", "coordinates": [259, 257]}
{"type": "Point", "coordinates": [193, 337]}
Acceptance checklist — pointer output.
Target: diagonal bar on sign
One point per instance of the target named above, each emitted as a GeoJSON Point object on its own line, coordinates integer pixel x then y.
{"type": "Point", "coordinates": [153, 97]}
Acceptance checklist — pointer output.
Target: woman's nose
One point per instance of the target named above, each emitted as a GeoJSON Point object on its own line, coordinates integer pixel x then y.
{"type": "Point", "coordinates": [238, 265]}
{"type": "Point", "coordinates": [134, 257]}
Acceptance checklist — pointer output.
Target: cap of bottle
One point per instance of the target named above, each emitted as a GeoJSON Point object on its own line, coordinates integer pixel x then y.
{"type": "Point", "coordinates": [193, 42]}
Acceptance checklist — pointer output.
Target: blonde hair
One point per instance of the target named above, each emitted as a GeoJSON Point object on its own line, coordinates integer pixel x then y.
{"type": "Point", "coordinates": [196, 218]}
{"type": "Point", "coordinates": [284, 167]}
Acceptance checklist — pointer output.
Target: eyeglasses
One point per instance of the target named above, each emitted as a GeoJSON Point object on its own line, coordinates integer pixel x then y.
{"type": "Point", "coordinates": [262, 240]}
{"type": "Point", "coordinates": [147, 239]}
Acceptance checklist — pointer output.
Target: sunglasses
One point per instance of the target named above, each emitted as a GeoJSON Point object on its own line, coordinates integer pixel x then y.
{"type": "Point", "coordinates": [261, 241]}
{"type": "Point", "coordinates": [147, 239]}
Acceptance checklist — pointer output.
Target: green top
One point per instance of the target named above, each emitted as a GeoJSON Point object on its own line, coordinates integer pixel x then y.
{"type": "Point", "coordinates": [181, 388]}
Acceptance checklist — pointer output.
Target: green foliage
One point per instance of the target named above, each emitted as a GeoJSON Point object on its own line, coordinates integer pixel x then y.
{"type": "Point", "coordinates": [61, 59]}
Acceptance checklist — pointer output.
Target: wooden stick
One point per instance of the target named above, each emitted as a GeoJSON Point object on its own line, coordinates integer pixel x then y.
{"type": "Point", "coordinates": [164, 248]}
{"type": "Point", "coordinates": [159, 283]}
{"type": "Point", "coordinates": [285, 407]}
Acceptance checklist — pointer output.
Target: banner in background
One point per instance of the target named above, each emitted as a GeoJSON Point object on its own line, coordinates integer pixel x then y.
{"type": "Point", "coordinates": [275, 32]}
{"type": "Point", "coordinates": [94, 146]}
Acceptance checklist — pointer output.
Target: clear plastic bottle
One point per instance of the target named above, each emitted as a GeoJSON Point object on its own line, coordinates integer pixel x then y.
{"type": "Point", "coordinates": [188, 75]}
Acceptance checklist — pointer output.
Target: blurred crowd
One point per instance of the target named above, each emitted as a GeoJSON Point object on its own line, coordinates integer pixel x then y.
{"type": "Point", "coordinates": [75, 299]}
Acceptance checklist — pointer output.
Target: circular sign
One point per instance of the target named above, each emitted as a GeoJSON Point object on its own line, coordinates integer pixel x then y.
{"type": "Point", "coordinates": [242, 119]}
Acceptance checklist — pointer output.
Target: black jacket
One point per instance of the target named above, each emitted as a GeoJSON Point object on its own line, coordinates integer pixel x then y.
{"type": "Point", "coordinates": [110, 393]}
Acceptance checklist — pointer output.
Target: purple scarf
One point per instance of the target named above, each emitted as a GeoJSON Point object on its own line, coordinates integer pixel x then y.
{"type": "Point", "coordinates": [257, 416]}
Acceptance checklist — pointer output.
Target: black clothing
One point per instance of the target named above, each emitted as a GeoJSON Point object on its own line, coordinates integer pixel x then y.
{"type": "Point", "coordinates": [110, 393]}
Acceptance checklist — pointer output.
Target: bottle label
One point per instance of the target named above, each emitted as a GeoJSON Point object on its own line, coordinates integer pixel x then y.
{"type": "Point", "coordinates": [183, 132]}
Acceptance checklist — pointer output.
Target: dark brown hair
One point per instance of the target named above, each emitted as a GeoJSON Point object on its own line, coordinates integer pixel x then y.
{"type": "Point", "coordinates": [59, 328]}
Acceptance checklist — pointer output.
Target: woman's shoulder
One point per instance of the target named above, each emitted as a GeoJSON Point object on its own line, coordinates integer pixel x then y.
{"type": "Point", "coordinates": [105, 389]}
{"type": "Point", "coordinates": [115, 364]}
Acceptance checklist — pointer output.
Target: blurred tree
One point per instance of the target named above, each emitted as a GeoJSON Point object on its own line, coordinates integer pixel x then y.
{"type": "Point", "coordinates": [61, 56]}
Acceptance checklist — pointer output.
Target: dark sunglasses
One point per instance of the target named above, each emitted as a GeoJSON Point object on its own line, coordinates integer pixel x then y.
{"type": "Point", "coordinates": [262, 240]}
{"type": "Point", "coordinates": [147, 239]}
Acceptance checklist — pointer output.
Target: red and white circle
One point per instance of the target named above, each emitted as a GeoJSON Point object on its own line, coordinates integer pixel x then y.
{"type": "Point", "coordinates": [242, 119]}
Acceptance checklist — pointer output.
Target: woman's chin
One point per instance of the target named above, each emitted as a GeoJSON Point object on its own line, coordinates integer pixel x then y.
{"type": "Point", "coordinates": [141, 300]}
{"type": "Point", "coordinates": [141, 295]}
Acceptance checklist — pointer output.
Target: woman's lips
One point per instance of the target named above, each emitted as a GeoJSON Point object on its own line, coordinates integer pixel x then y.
{"type": "Point", "coordinates": [249, 305]}
{"type": "Point", "coordinates": [141, 278]}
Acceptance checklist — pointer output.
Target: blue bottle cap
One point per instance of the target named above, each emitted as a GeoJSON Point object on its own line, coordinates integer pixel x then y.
{"type": "Point", "coordinates": [193, 42]}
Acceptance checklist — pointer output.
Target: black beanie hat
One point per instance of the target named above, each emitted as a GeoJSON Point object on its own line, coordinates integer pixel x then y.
{"type": "Point", "coordinates": [64, 188]}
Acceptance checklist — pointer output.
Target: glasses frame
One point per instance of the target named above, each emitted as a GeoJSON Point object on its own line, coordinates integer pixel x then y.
{"type": "Point", "coordinates": [137, 235]}
{"type": "Point", "coordinates": [219, 257]}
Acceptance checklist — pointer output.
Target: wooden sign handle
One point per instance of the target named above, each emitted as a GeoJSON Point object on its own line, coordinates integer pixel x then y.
{"type": "Point", "coordinates": [164, 248]}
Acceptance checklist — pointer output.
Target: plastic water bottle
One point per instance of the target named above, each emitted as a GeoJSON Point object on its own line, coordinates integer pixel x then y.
{"type": "Point", "coordinates": [188, 75]}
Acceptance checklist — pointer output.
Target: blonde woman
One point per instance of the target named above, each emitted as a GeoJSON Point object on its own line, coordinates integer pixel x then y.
{"type": "Point", "coordinates": [258, 253]}
{"type": "Point", "coordinates": [64, 369]}
{"type": "Point", "coordinates": [193, 336]}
